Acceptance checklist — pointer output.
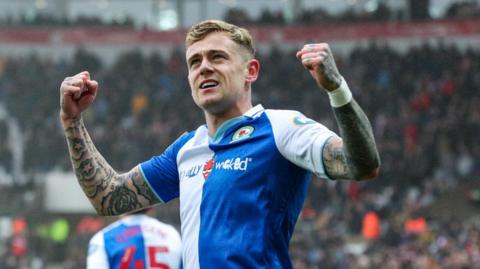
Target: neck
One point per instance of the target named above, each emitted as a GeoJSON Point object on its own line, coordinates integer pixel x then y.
{"type": "Point", "coordinates": [214, 120]}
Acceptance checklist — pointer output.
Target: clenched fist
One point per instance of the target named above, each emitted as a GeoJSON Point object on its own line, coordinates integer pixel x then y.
{"type": "Point", "coordinates": [318, 59]}
{"type": "Point", "coordinates": [77, 93]}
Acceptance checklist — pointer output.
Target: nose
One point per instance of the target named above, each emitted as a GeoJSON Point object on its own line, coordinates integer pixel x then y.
{"type": "Point", "coordinates": [205, 67]}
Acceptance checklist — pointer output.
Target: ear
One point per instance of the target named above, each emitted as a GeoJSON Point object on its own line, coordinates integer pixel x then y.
{"type": "Point", "coordinates": [253, 67]}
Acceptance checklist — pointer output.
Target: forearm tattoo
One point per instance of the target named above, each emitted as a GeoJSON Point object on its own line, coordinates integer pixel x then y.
{"type": "Point", "coordinates": [110, 193]}
{"type": "Point", "coordinates": [357, 157]}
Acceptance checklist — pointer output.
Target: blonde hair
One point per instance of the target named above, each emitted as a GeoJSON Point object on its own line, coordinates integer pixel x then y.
{"type": "Point", "coordinates": [237, 34]}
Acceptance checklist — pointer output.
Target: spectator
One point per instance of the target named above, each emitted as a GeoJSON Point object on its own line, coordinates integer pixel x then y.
{"type": "Point", "coordinates": [135, 241]}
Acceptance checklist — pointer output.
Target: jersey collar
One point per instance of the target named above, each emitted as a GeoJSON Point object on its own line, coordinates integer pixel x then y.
{"type": "Point", "coordinates": [251, 113]}
{"type": "Point", "coordinates": [254, 111]}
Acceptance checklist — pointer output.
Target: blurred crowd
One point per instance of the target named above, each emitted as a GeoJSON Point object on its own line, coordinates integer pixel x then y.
{"type": "Point", "coordinates": [372, 12]}
{"type": "Point", "coordinates": [423, 105]}
{"type": "Point", "coordinates": [380, 12]}
{"type": "Point", "coordinates": [47, 20]}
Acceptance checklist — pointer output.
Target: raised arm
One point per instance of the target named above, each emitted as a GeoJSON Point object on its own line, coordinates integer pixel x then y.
{"type": "Point", "coordinates": [110, 193]}
{"type": "Point", "coordinates": [354, 155]}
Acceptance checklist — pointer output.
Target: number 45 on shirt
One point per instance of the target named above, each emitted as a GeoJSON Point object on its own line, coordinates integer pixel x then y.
{"type": "Point", "coordinates": [154, 255]}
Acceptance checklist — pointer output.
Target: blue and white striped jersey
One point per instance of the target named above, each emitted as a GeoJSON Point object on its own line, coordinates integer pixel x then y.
{"type": "Point", "coordinates": [135, 241]}
{"type": "Point", "coordinates": [241, 191]}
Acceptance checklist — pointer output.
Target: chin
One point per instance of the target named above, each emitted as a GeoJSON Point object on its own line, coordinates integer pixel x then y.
{"type": "Point", "coordinates": [214, 106]}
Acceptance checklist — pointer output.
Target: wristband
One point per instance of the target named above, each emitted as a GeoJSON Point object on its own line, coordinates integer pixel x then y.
{"type": "Point", "coordinates": [341, 96]}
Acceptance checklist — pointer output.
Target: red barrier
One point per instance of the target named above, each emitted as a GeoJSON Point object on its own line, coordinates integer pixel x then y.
{"type": "Point", "coordinates": [263, 34]}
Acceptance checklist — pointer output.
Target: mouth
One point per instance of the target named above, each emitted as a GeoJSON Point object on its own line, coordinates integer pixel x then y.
{"type": "Point", "coordinates": [208, 84]}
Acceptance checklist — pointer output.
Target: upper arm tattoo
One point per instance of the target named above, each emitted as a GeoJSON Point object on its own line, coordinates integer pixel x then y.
{"type": "Point", "coordinates": [128, 192]}
{"type": "Point", "coordinates": [119, 200]}
{"type": "Point", "coordinates": [144, 189]}
{"type": "Point", "coordinates": [334, 159]}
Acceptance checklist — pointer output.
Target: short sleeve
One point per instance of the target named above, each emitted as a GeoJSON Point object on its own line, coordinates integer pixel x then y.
{"type": "Point", "coordinates": [300, 139]}
{"type": "Point", "coordinates": [161, 172]}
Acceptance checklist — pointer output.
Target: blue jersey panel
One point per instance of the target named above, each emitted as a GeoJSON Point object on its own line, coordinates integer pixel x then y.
{"type": "Point", "coordinates": [161, 171]}
{"type": "Point", "coordinates": [125, 238]}
{"type": "Point", "coordinates": [250, 201]}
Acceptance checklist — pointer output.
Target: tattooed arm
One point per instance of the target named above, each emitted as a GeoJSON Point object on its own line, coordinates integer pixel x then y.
{"type": "Point", "coordinates": [354, 156]}
{"type": "Point", "coordinates": [109, 192]}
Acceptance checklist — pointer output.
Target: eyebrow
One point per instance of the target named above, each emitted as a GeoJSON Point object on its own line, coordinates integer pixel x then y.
{"type": "Point", "coordinates": [211, 51]}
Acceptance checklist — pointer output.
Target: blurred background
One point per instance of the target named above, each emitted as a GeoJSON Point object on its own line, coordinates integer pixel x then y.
{"type": "Point", "coordinates": [414, 66]}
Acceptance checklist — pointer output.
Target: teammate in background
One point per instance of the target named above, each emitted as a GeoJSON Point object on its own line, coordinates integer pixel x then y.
{"type": "Point", "coordinates": [242, 177]}
{"type": "Point", "coordinates": [135, 241]}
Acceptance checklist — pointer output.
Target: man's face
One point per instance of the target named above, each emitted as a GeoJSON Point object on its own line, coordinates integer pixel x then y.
{"type": "Point", "coordinates": [217, 73]}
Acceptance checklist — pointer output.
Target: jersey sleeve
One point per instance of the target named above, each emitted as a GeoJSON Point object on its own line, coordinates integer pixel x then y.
{"type": "Point", "coordinates": [97, 256]}
{"type": "Point", "coordinates": [300, 139]}
{"type": "Point", "coordinates": [161, 172]}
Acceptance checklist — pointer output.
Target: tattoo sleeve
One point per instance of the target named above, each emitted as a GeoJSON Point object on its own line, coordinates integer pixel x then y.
{"type": "Point", "coordinates": [355, 156]}
{"type": "Point", "coordinates": [109, 192]}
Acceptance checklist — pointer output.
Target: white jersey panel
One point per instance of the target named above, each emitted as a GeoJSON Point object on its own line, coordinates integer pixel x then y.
{"type": "Point", "coordinates": [300, 139]}
{"type": "Point", "coordinates": [97, 257]}
{"type": "Point", "coordinates": [193, 166]}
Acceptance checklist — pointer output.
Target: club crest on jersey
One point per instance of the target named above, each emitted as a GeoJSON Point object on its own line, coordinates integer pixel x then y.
{"type": "Point", "coordinates": [207, 168]}
{"type": "Point", "coordinates": [244, 132]}
{"type": "Point", "coordinates": [302, 120]}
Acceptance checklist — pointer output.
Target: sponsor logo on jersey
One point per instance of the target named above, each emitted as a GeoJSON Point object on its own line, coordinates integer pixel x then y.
{"type": "Point", "coordinates": [302, 120]}
{"type": "Point", "coordinates": [191, 172]}
{"type": "Point", "coordinates": [207, 168]}
{"type": "Point", "coordinates": [244, 132]}
{"type": "Point", "coordinates": [235, 164]}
